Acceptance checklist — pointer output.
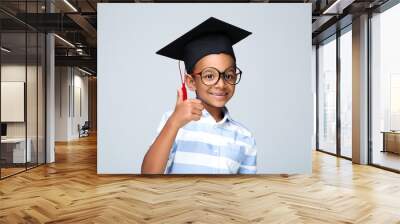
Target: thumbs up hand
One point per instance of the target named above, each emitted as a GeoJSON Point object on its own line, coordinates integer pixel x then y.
{"type": "Point", "coordinates": [186, 110]}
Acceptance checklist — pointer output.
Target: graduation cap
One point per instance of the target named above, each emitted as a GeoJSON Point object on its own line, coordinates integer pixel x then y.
{"type": "Point", "coordinates": [212, 36]}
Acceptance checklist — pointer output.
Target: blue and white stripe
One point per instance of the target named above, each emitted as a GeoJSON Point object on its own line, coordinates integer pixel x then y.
{"type": "Point", "coordinates": [210, 147]}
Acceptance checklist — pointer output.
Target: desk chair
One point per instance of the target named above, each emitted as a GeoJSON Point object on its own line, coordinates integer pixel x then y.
{"type": "Point", "coordinates": [84, 130]}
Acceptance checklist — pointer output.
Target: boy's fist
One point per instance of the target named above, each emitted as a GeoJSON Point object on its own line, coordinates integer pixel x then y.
{"type": "Point", "coordinates": [186, 111]}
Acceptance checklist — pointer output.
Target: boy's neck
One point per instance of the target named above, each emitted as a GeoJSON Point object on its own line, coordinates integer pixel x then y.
{"type": "Point", "coordinates": [216, 112]}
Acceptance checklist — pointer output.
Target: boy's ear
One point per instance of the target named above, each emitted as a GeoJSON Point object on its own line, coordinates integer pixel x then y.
{"type": "Point", "coordinates": [190, 82]}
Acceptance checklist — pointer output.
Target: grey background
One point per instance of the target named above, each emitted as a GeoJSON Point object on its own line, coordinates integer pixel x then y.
{"type": "Point", "coordinates": [136, 86]}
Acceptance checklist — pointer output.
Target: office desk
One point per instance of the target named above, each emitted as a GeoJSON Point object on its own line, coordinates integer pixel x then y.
{"type": "Point", "coordinates": [13, 150]}
{"type": "Point", "coordinates": [391, 141]}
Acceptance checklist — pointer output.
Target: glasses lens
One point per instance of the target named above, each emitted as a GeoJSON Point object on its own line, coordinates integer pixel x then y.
{"type": "Point", "coordinates": [232, 75]}
{"type": "Point", "coordinates": [209, 76]}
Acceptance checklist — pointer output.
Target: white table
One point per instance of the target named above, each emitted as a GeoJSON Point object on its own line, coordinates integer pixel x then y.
{"type": "Point", "coordinates": [18, 144]}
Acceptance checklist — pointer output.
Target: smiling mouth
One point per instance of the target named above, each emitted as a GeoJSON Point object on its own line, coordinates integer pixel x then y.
{"type": "Point", "coordinates": [219, 94]}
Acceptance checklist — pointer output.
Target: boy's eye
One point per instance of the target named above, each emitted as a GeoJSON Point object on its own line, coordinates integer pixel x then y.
{"type": "Point", "coordinates": [228, 77]}
{"type": "Point", "coordinates": [209, 75]}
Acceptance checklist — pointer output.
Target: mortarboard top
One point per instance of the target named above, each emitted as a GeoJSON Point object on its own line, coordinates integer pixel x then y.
{"type": "Point", "coordinates": [212, 36]}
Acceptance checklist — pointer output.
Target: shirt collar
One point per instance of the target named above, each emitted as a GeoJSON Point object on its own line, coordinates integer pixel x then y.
{"type": "Point", "coordinates": [207, 116]}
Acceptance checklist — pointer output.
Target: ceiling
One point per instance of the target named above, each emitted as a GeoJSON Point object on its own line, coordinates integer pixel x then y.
{"type": "Point", "coordinates": [76, 21]}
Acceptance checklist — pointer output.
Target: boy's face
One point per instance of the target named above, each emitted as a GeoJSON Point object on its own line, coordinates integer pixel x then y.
{"type": "Point", "coordinates": [220, 93]}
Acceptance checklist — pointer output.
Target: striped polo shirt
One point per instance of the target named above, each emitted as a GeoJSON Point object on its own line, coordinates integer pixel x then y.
{"type": "Point", "coordinates": [210, 147]}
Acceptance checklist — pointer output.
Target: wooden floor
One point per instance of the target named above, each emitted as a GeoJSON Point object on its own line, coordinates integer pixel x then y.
{"type": "Point", "coordinates": [387, 159]}
{"type": "Point", "coordinates": [70, 191]}
{"type": "Point", "coordinates": [5, 172]}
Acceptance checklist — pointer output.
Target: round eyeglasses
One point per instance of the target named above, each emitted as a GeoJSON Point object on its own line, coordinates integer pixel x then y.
{"type": "Point", "coordinates": [211, 76]}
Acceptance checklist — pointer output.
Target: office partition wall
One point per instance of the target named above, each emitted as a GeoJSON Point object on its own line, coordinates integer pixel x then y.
{"type": "Point", "coordinates": [22, 78]}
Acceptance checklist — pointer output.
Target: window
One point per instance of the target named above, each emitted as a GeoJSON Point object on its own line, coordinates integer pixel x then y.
{"type": "Point", "coordinates": [385, 88]}
{"type": "Point", "coordinates": [346, 93]}
{"type": "Point", "coordinates": [327, 96]}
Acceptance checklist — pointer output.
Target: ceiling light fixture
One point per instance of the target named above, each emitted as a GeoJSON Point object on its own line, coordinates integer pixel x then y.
{"type": "Point", "coordinates": [337, 7]}
{"type": "Point", "coordinates": [65, 41]}
{"type": "Point", "coordinates": [5, 50]}
{"type": "Point", "coordinates": [84, 71]}
{"type": "Point", "coordinates": [70, 5]}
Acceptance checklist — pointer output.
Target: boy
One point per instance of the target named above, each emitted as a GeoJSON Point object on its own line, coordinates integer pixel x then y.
{"type": "Point", "coordinates": [199, 136]}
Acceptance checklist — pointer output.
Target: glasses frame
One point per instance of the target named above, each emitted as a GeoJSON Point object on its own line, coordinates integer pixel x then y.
{"type": "Point", "coordinates": [219, 75]}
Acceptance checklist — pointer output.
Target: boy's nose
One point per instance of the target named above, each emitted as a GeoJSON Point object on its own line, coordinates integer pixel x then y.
{"type": "Point", "coordinates": [220, 83]}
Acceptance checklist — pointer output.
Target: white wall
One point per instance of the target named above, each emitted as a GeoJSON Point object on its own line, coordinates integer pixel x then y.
{"type": "Point", "coordinates": [67, 84]}
{"type": "Point", "coordinates": [16, 72]}
{"type": "Point", "coordinates": [61, 103]}
{"type": "Point", "coordinates": [135, 86]}
{"type": "Point", "coordinates": [79, 109]}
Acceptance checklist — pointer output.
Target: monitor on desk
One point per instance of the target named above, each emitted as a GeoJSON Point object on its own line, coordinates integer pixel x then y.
{"type": "Point", "coordinates": [3, 130]}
